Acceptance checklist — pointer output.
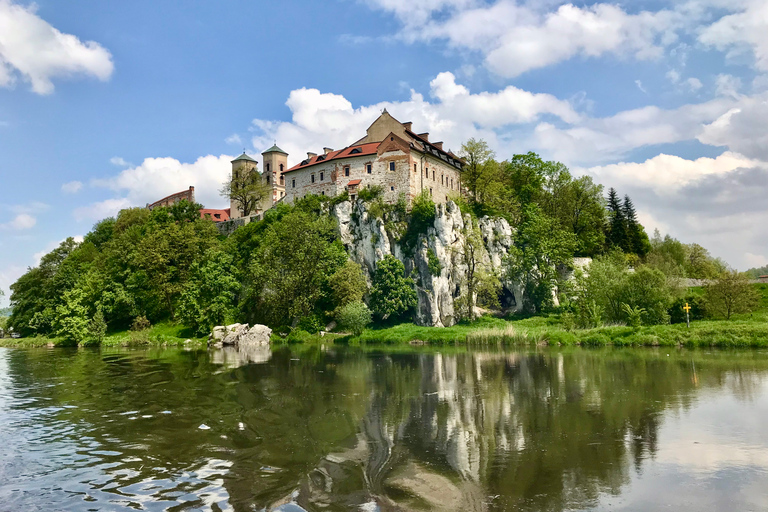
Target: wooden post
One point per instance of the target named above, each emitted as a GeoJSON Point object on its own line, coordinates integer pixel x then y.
{"type": "Point", "coordinates": [687, 309]}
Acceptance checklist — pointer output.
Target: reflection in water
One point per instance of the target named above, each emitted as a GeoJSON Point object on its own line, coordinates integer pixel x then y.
{"type": "Point", "coordinates": [333, 429]}
{"type": "Point", "coordinates": [234, 357]}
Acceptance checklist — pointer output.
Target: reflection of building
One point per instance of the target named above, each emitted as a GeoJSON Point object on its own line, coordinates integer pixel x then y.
{"type": "Point", "coordinates": [185, 195]}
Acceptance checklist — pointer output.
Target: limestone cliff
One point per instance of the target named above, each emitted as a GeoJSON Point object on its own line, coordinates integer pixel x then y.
{"type": "Point", "coordinates": [369, 239]}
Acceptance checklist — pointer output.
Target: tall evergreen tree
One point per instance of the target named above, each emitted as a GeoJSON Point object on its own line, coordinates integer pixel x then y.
{"type": "Point", "coordinates": [617, 226]}
{"type": "Point", "coordinates": [637, 240]}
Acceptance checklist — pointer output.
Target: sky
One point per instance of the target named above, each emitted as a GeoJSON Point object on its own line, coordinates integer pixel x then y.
{"type": "Point", "coordinates": [107, 105]}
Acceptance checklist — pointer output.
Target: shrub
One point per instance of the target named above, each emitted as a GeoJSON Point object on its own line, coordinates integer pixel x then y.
{"type": "Point", "coordinates": [355, 316]}
{"type": "Point", "coordinates": [299, 336]}
{"type": "Point", "coordinates": [392, 294]}
{"type": "Point", "coordinates": [370, 193]}
{"type": "Point", "coordinates": [98, 327]}
{"type": "Point", "coordinates": [140, 323]}
{"type": "Point", "coordinates": [312, 323]}
{"type": "Point", "coordinates": [568, 320]}
{"type": "Point", "coordinates": [561, 338]}
{"type": "Point", "coordinates": [433, 263]}
{"type": "Point", "coordinates": [634, 315]}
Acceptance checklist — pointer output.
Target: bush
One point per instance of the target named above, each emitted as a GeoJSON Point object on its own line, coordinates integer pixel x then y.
{"type": "Point", "coordinates": [697, 305]}
{"type": "Point", "coordinates": [312, 323]}
{"type": "Point", "coordinates": [370, 193]}
{"type": "Point", "coordinates": [433, 263]}
{"type": "Point", "coordinates": [299, 336]}
{"type": "Point", "coordinates": [140, 323]}
{"type": "Point", "coordinates": [392, 294]}
{"type": "Point", "coordinates": [98, 327]}
{"type": "Point", "coordinates": [561, 338]}
{"type": "Point", "coordinates": [355, 316]}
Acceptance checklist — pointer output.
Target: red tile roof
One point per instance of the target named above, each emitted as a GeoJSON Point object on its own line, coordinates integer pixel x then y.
{"type": "Point", "coordinates": [354, 182]}
{"type": "Point", "coordinates": [365, 150]}
{"type": "Point", "coordinates": [216, 215]}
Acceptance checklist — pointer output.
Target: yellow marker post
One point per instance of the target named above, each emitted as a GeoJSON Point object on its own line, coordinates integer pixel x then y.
{"type": "Point", "coordinates": [687, 309]}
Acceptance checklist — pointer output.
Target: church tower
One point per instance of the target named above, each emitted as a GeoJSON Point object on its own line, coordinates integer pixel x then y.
{"type": "Point", "coordinates": [241, 166]}
{"type": "Point", "coordinates": [275, 163]}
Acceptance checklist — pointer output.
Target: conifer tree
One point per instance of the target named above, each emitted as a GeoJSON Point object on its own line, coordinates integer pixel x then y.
{"type": "Point", "coordinates": [617, 227]}
{"type": "Point", "coordinates": [637, 240]}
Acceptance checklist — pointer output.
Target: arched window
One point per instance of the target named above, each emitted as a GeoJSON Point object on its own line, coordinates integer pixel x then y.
{"type": "Point", "coordinates": [281, 167]}
{"type": "Point", "coordinates": [267, 167]}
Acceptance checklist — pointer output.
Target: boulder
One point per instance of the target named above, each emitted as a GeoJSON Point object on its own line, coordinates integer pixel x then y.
{"type": "Point", "coordinates": [256, 335]}
{"type": "Point", "coordinates": [234, 332]}
{"type": "Point", "coordinates": [218, 334]}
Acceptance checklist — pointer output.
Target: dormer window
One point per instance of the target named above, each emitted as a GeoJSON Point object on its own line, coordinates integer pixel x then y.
{"type": "Point", "coordinates": [355, 151]}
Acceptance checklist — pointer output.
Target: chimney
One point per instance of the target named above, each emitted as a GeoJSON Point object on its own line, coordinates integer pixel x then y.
{"type": "Point", "coordinates": [424, 136]}
{"type": "Point", "coordinates": [327, 150]}
{"type": "Point", "coordinates": [438, 145]}
{"type": "Point", "coordinates": [310, 155]}
{"type": "Point", "coordinates": [408, 125]}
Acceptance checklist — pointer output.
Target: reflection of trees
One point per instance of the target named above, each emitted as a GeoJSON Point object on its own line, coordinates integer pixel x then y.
{"type": "Point", "coordinates": [338, 428]}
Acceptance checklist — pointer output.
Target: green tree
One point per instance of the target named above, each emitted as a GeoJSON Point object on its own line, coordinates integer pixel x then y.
{"type": "Point", "coordinates": [354, 316]}
{"type": "Point", "coordinates": [209, 297]}
{"type": "Point", "coordinates": [392, 294]}
{"type": "Point", "coordinates": [97, 328]}
{"type": "Point", "coordinates": [730, 293]}
{"type": "Point", "coordinates": [348, 284]}
{"type": "Point", "coordinates": [72, 317]}
{"type": "Point", "coordinates": [476, 153]}
{"type": "Point", "coordinates": [617, 226]}
{"type": "Point", "coordinates": [541, 247]}
{"type": "Point", "coordinates": [247, 189]}
{"type": "Point", "coordinates": [636, 239]}
{"type": "Point", "coordinates": [647, 289]}
{"type": "Point", "coordinates": [482, 286]}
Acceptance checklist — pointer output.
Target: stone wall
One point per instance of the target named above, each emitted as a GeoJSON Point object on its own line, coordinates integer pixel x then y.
{"type": "Point", "coordinates": [368, 241]}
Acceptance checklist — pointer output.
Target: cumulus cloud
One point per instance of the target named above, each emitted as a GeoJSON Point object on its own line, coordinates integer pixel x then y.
{"type": "Point", "coordinates": [742, 31]}
{"type": "Point", "coordinates": [743, 128]}
{"type": "Point", "coordinates": [20, 222]}
{"type": "Point", "coordinates": [156, 178]}
{"type": "Point", "coordinates": [72, 187]}
{"type": "Point", "coordinates": [37, 52]}
{"type": "Point", "coordinates": [716, 202]}
{"type": "Point", "coordinates": [119, 161]}
{"type": "Point", "coordinates": [326, 119]}
{"type": "Point", "coordinates": [518, 37]}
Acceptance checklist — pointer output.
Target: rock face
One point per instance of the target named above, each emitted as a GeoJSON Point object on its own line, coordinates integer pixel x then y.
{"type": "Point", "coordinates": [240, 335]}
{"type": "Point", "coordinates": [369, 239]}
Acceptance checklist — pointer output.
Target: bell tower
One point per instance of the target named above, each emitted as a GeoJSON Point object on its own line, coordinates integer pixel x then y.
{"type": "Point", "coordinates": [241, 166]}
{"type": "Point", "coordinates": [275, 164]}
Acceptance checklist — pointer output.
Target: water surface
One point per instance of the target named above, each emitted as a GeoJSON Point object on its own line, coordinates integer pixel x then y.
{"type": "Point", "coordinates": [348, 429]}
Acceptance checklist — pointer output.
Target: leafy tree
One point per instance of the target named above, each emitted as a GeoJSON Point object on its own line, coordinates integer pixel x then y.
{"type": "Point", "coordinates": [477, 154]}
{"type": "Point", "coordinates": [348, 284]}
{"type": "Point", "coordinates": [354, 316]}
{"type": "Point", "coordinates": [540, 248]}
{"type": "Point", "coordinates": [647, 289]}
{"type": "Point", "coordinates": [482, 286]}
{"type": "Point", "coordinates": [392, 294]}
{"type": "Point", "coordinates": [210, 295]}
{"type": "Point", "coordinates": [730, 293]}
{"type": "Point", "coordinates": [247, 189]}
{"type": "Point", "coordinates": [72, 317]}
{"type": "Point", "coordinates": [585, 215]}
{"type": "Point", "coordinates": [98, 327]}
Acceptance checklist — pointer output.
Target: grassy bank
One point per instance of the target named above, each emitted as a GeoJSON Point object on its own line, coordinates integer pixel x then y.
{"type": "Point", "coordinates": [745, 332]}
{"type": "Point", "coordinates": [163, 334]}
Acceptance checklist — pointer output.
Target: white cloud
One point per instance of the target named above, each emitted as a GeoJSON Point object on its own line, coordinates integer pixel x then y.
{"type": "Point", "coordinates": [156, 178]}
{"type": "Point", "coordinates": [21, 222]}
{"type": "Point", "coordinates": [515, 38]}
{"type": "Point", "coordinates": [728, 85]}
{"type": "Point", "coordinates": [33, 49]}
{"type": "Point", "coordinates": [755, 260]}
{"type": "Point", "coordinates": [72, 187]}
{"type": "Point", "coordinates": [234, 139]}
{"type": "Point", "coordinates": [119, 161]}
{"type": "Point", "coordinates": [639, 85]}
{"type": "Point", "coordinates": [742, 128]}
{"type": "Point", "coordinates": [741, 31]}
{"type": "Point", "coordinates": [694, 84]}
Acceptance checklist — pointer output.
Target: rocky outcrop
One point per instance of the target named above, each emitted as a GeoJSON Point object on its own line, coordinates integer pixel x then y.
{"type": "Point", "coordinates": [368, 239]}
{"type": "Point", "coordinates": [240, 335]}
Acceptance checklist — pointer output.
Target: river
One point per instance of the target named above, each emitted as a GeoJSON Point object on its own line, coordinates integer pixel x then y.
{"type": "Point", "coordinates": [333, 428]}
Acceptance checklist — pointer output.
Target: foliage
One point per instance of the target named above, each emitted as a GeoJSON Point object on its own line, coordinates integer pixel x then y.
{"type": "Point", "coordinates": [433, 263]}
{"type": "Point", "coordinates": [392, 294]}
{"type": "Point", "coordinates": [634, 314]}
{"type": "Point", "coordinates": [678, 260]}
{"type": "Point", "coordinates": [370, 193]}
{"type": "Point", "coordinates": [481, 284]}
{"type": "Point", "coordinates": [72, 319]}
{"type": "Point", "coordinates": [756, 272]}
{"type": "Point", "coordinates": [247, 189]}
{"type": "Point", "coordinates": [354, 316]}
{"type": "Point", "coordinates": [210, 295]}
{"type": "Point", "coordinates": [730, 293]}
{"type": "Point", "coordinates": [477, 154]}
{"type": "Point", "coordinates": [698, 311]}
{"type": "Point", "coordinates": [98, 327]}
{"type": "Point", "coordinates": [421, 219]}
{"type": "Point", "coordinates": [348, 284]}
{"type": "Point", "coordinates": [540, 248]}
{"type": "Point", "coordinates": [140, 323]}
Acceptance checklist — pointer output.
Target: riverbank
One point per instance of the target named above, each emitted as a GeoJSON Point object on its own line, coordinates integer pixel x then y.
{"type": "Point", "coordinates": [163, 334]}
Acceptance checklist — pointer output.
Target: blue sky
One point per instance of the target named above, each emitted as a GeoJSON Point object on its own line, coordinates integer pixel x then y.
{"type": "Point", "coordinates": [105, 105]}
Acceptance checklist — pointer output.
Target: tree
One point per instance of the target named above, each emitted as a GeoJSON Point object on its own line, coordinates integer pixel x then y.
{"type": "Point", "coordinates": [617, 227]}
{"type": "Point", "coordinates": [392, 294]}
{"type": "Point", "coordinates": [210, 295]}
{"type": "Point", "coordinates": [246, 189]}
{"type": "Point", "coordinates": [354, 316]}
{"type": "Point", "coordinates": [730, 293]}
{"type": "Point", "coordinates": [585, 215]}
{"type": "Point", "coordinates": [540, 248]}
{"type": "Point", "coordinates": [476, 153]}
{"type": "Point", "coordinates": [98, 327]}
{"type": "Point", "coordinates": [72, 317]}
{"type": "Point", "coordinates": [481, 285]}
{"type": "Point", "coordinates": [348, 285]}
{"type": "Point", "coordinates": [636, 239]}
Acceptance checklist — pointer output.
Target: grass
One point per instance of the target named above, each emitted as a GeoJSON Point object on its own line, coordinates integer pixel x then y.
{"type": "Point", "coordinates": [164, 334]}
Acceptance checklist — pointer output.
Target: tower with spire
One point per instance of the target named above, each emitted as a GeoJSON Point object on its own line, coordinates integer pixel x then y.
{"type": "Point", "coordinates": [275, 163]}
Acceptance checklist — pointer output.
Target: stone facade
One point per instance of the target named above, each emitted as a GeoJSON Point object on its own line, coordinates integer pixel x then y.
{"type": "Point", "coordinates": [390, 156]}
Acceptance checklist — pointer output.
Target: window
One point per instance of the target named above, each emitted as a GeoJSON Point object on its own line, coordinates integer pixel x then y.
{"type": "Point", "coordinates": [391, 166]}
{"type": "Point", "coordinates": [414, 168]}
{"type": "Point", "coordinates": [267, 167]}
{"type": "Point", "coordinates": [441, 180]}
{"type": "Point", "coordinates": [430, 191]}
{"type": "Point", "coordinates": [355, 151]}
{"type": "Point", "coordinates": [392, 188]}
{"type": "Point", "coordinates": [451, 183]}
{"type": "Point", "coordinates": [281, 167]}
{"type": "Point", "coordinates": [313, 178]}
{"type": "Point", "coordinates": [426, 173]}
{"type": "Point", "coordinates": [369, 168]}
{"type": "Point", "coordinates": [346, 170]}
{"type": "Point", "coordinates": [323, 192]}
{"type": "Point", "coordinates": [237, 175]}
{"type": "Point", "coordinates": [267, 178]}
{"type": "Point", "coordinates": [293, 183]}
{"type": "Point", "coordinates": [282, 179]}
{"type": "Point", "coordinates": [433, 176]}
{"type": "Point", "coordinates": [321, 175]}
